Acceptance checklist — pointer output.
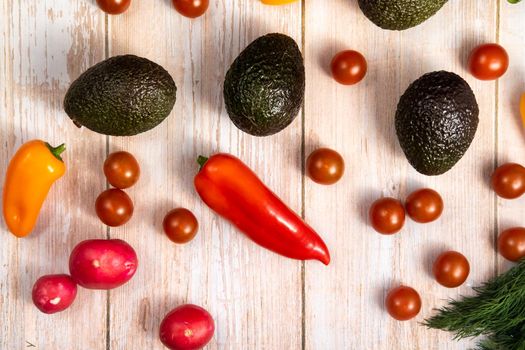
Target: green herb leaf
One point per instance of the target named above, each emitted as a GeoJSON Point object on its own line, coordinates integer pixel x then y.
{"type": "Point", "coordinates": [496, 311]}
{"type": "Point", "coordinates": [514, 1]}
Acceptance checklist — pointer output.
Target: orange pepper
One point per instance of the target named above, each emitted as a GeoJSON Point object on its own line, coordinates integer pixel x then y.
{"type": "Point", "coordinates": [277, 2]}
{"type": "Point", "coordinates": [522, 108]}
{"type": "Point", "coordinates": [30, 174]}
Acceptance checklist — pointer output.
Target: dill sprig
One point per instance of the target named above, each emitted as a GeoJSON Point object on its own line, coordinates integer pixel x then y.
{"type": "Point", "coordinates": [496, 311]}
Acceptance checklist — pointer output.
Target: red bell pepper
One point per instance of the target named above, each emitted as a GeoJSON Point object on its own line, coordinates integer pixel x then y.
{"type": "Point", "coordinates": [232, 190]}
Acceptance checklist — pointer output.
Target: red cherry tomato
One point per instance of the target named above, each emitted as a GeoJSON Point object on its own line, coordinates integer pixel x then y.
{"type": "Point", "coordinates": [509, 181]}
{"type": "Point", "coordinates": [424, 205]}
{"type": "Point", "coordinates": [114, 7]}
{"type": "Point", "coordinates": [102, 264]}
{"type": "Point", "coordinates": [348, 67]}
{"type": "Point", "coordinates": [187, 327]}
{"type": "Point", "coordinates": [121, 169]}
{"type": "Point", "coordinates": [191, 8]}
{"type": "Point", "coordinates": [451, 269]}
{"type": "Point", "coordinates": [114, 207]}
{"type": "Point", "coordinates": [488, 62]}
{"type": "Point", "coordinates": [180, 225]}
{"type": "Point", "coordinates": [511, 244]}
{"type": "Point", "coordinates": [403, 303]}
{"type": "Point", "coordinates": [387, 216]}
{"type": "Point", "coordinates": [325, 166]}
{"type": "Point", "coordinates": [54, 293]}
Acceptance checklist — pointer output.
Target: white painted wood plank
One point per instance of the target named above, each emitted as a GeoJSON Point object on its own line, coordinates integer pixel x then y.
{"type": "Point", "coordinates": [45, 45]}
{"type": "Point", "coordinates": [254, 295]}
{"type": "Point", "coordinates": [344, 304]}
{"type": "Point", "coordinates": [511, 131]}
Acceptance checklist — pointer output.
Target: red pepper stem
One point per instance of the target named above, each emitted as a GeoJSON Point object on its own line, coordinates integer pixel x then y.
{"type": "Point", "coordinates": [57, 151]}
{"type": "Point", "coordinates": [202, 160]}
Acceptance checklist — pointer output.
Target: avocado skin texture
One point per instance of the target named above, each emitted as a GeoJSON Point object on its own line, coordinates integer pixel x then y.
{"type": "Point", "coordinates": [400, 14]}
{"type": "Point", "coordinates": [436, 121]}
{"type": "Point", "coordinates": [264, 87]}
{"type": "Point", "coordinates": [121, 96]}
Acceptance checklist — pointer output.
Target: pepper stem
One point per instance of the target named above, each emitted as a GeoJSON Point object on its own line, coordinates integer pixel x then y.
{"type": "Point", "coordinates": [57, 151]}
{"type": "Point", "coordinates": [201, 160]}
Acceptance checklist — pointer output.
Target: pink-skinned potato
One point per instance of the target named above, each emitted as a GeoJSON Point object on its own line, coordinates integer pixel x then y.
{"type": "Point", "coordinates": [54, 293]}
{"type": "Point", "coordinates": [102, 263]}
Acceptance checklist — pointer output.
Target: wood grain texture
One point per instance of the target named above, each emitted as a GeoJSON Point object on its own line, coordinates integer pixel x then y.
{"type": "Point", "coordinates": [511, 131]}
{"type": "Point", "coordinates": [254, 295]}
{"type": "Point", "coordinates": [344, 304]}
{"type": "Point", "coordinates": [45, 45]}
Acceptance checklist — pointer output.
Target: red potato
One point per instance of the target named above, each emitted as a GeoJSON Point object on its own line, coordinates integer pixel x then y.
{"type": "Point", "coordinates": [187, 327]}
{"type": "Point", "coordinates": [54, 293]}
{"type": "Point", "coordinates": [102, 264]}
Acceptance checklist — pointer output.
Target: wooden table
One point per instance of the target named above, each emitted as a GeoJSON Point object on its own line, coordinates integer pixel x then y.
{"type": "Point", "coordinates": [259, 300]}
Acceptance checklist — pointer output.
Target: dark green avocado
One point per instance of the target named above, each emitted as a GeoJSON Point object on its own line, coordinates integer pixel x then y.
{"type": "Point", "coordinates": [121, 96]}
{"type": "Point", "coordinates": [436, 121]}
{"type": "Point", "coordinates": [400, 14]}
{"type": "Point", "coordinates": [264, 87]}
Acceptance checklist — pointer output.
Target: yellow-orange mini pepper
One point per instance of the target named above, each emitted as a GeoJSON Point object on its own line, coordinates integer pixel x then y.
{"type": "Point", "coordinates": [30, 174]}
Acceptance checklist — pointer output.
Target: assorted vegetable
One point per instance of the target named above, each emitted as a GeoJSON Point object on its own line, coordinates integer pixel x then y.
{"type": "Point", "coordinates": [349, 67]}
{"type": "Point", "coordinates": [508, 181]}
{"type": "Point", "coordinates": [191, 8]}
{"type": "Point", "coordinates": [403, 303]}
{"type": "Point", "coordinates": [114, 207]}
{"type": "Point", "coordinates": [102, 263]}
{"type": "Point", "coordinates": [424, 206]}
{"type": "Point", "coordinates": [451, 269]}
{"type": "Point", "coordinates": [436, 120]}
{"type": "Point", "coordinates": [180, 225]}
{"type": "Point", "coordinates": [54, 293]}
{"type": "Point", "coordinates": [31, 172]}
{"type": "Point", "coordinates": [511, 244]}
{"type": "Point", "coordinates": [325, 166]}
{"type": "Point", "coordinates": [495, 311]}
{"type": "Point", "coordinates": [488, 62]}
{"type": "Point", "coordinates": [187, 327]}
{"type": "Point", "coordinates": [122, 170]}
{"type": "Point", "coordinates": [387, 216]}
{"type": "Point", "coordinates": [234, 192]}
{"type": "Point", "coordinates": [114, 7]}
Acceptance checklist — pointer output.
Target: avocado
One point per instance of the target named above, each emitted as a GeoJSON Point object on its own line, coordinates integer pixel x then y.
{"type": "Point", "coordinates": [400, 14]}
{"type": "Point", "coordinates": [121, 96]}
{"type": "Point", "coordinates": [264, 87]}
{"type": "Point", "coordinates": [436, 121]}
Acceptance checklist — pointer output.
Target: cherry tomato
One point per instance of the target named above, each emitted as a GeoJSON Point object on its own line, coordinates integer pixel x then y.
{"type": "Point", "coordinates": [511, 243]}
{"type": "Point", "coordinates": [403, 303]}
{"type": "Point", "coordinates": [325, 166]}
{"type": "Point", "coordinates": [509, 181]}
{"type": "Point", "coordinates": [114, 7]}
{"type": "Point", "coordinates": [121, 169]}
{"type": "Point", "coordinates": [114, 207]}
{"type": "Point", "coordinates": [387, 215]}
{"type": "Point", "coordinates": [102, 263]}
{"type": "Point", "coordinates": [180, 225]}
{"type": "Point", "coordinates": [191, 8]}
{"type": "Point", "coordinates": [488, 62]}
{"type": "Point", "coordinates": [424, 205]}
{"type": "Point", "coordinates": [349, 67]}
{"type": "Point", "coordinates": [54, 293]}
{"type": "Point", "coordinates": [451, 269]}
{"type": "Point", "coordinates": [187, 327]}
